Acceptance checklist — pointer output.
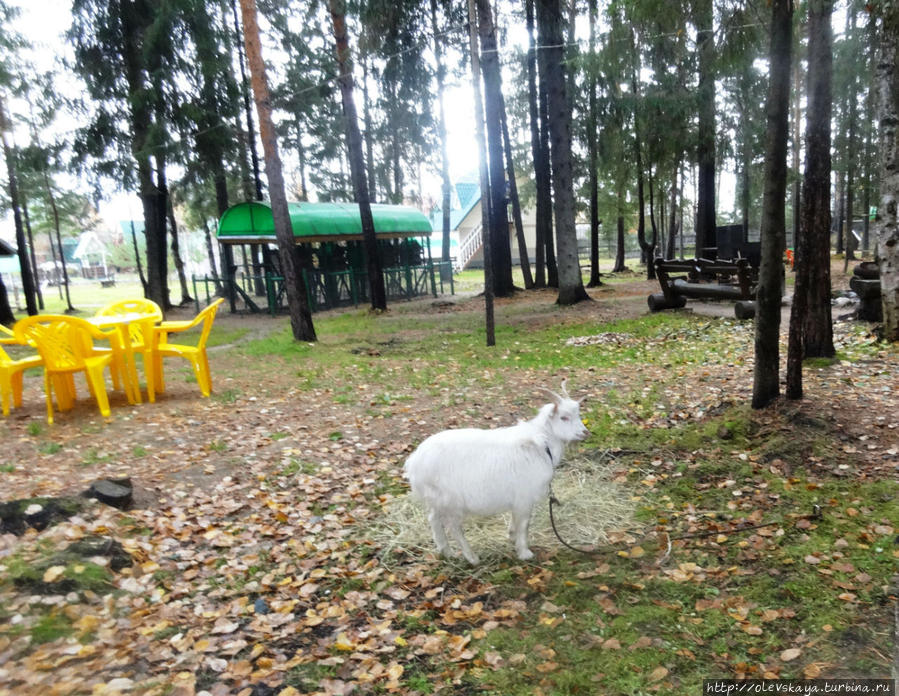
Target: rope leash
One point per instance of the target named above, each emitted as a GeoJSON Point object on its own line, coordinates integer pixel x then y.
{"type": "Point", "coordinates": [553, 501]}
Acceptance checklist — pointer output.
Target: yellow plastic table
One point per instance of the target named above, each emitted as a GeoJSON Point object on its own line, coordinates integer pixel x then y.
{"type": "Point", "coordinates": [122, 324]}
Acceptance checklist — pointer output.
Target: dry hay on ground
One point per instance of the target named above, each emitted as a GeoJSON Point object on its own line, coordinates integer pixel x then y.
{"type": "Point", "coordinates": [592, 507]}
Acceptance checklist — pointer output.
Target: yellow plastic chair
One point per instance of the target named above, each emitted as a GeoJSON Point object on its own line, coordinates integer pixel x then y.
{"type": "Point", "coordinates": [7, 337]}
{"type": "Point", "coordinates": [140, 333]}
{"type": "Point", "coordinates": [11, 378]}
{"type": "Point", "coordinates": [65, 345]}
{"type": "Point", "coordinates": [196, 354]}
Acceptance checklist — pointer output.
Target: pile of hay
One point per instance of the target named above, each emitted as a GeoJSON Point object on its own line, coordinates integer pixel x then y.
{"type": "Point", "coordinates": [591, 506]}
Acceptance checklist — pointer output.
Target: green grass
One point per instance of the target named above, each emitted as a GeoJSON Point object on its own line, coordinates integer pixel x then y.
{"type": "Point", "coordinates": [50, 448]}
{"type": "Point", "coordinates": [51, 626]}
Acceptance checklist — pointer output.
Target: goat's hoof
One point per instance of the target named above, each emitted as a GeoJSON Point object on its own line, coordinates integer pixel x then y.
{"type": "Point", "coordinates": [474, 560]}
{"type": "Point", "coordinates": [525, 555]}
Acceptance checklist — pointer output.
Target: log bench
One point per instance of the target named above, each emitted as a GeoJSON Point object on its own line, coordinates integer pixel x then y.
{"type": "Point", "coordinates": [733, 280]}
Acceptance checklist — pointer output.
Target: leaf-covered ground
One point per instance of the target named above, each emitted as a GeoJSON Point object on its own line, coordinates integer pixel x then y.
{"type": "Point", "coordinates": [256, 570]}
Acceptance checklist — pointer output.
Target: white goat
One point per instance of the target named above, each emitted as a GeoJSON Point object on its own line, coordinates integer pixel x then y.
{"type": "Point", "coordinates": [468, 471]}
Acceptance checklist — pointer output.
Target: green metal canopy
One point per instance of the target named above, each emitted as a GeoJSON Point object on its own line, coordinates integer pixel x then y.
{"type": "Point", "coordinates": [319, 222]}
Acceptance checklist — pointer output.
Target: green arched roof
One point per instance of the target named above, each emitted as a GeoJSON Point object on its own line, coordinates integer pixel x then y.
{"type": "Point", "coordinates": [319, 222]}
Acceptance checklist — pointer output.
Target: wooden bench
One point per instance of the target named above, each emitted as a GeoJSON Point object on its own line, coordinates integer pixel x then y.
{"type": "Point", "coordinates": [734, 280]}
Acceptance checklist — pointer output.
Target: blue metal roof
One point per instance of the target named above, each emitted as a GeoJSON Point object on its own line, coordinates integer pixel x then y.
{"type": "Point", "coordinates": [468, 194]}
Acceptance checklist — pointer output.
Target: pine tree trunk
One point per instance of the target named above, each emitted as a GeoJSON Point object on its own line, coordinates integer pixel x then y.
{"type": "Point", "coordinates": [818, 323]}
{"type": "Point", "coordinates": [541, 170]}
{"type": "Point", "coordinates": [56, 227]}
{"type": "Point", "coordinates": [213, 268]}
{"type": "Point", "coordinates": [571, 286]}
{"type": "Point", "coordinates": [357, 164]}
{"type": "Point", "coordinates": [886, 223]}
{"type": "Point", "coordinates": [796, 141]}
{"type": "Point", "coordinates": [552, 271]}
{"type": "Point", "coordinates": [672, 221]}
{"type": "Point", "coordinates": [523, 258]}
{"type": "Point", "coordinates": [13, 187]}
{"type": "Point", "coordinates": [489, 321]}
{"type": "Point", "coordinates": [369, 136]}
{"type": "Point", "coordinates": [140, 268]}
{"type": "Point", "coordinates": [31, 257]}
{"type": "Point", "coordinates": [7, 318]}
{"type": "Point", "coordinates": [851, 154]}
{"type": "Point", "coordinates": [811, 328]}
{"type": "Point", "coordinates": [446, 186]}
{"type": "Point", "coordinates": [176, 255]}
{"type": "Point", "coordinates": [592, 154]}
{"type": "Point", "coordinates": [620, 266]}
{"type": "Point", "coordinates": [297, 302]}
{"type": "Point", "coordinates": [766, 379]}
{"type": "Point", "coordinates": [705, 213]}
{"type": "Point", "coordinates": [500, 247]}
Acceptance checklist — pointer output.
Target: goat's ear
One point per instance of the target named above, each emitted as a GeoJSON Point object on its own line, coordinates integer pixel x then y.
{"type": "Point", "coordinates": [581, 400]}
{"type": "Point", "coordinates": [556, 399]}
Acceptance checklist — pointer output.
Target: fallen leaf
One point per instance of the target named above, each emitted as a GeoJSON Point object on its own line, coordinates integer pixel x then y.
{"type": "Point", "coordinates": [658, 674]}
{"type": "Point", "coordinates": [790, 654]}
{"type": "Point", "coordinates": [53, 573]}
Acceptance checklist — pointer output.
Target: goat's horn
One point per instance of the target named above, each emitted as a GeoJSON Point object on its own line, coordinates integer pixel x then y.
{"type": "Point", "coordinates": [552, 395]}
{"type": "Point", "coordinates": [564, 390]}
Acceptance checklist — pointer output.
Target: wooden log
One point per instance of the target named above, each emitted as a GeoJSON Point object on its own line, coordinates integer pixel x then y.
{"type": "Point", "coordinates": [744, 309]}
{"type": "Point", "coordinates": [657, 302]}
{"type": "Point", "coordinates": [712, 291]}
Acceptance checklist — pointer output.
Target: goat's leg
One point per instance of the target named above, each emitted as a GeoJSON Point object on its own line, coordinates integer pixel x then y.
{"type": "Point", "coordinates": [439, 533]}
{"type": "Point", "coordinates": [521, 522]}
{"type": "Point", "coordinates": [454, 524]}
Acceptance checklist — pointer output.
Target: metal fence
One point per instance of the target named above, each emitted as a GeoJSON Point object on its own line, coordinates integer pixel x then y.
{"type": "Point", "coordinates": [325, 289]}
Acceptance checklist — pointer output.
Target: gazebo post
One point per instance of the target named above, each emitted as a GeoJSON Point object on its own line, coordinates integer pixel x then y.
{"type": "Point", "coordinates": [228, 273]}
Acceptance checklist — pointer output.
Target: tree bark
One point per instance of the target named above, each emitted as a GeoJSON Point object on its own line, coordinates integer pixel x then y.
{"type": "Point", "coordinates": [766, 378]}
{"type": "Point", "coordinates": [592, 150]}
{"type": "Point", "coordinates": [446, 186]}
{"type": "Point", "coordinates": [705, 153]}
{"type": "Point", "coordinates": [571, 286]}
{"type": "Point", "coordinates": [500, 249]}
{"type": "Point", "coordinates": [176, 255]}
{"type": "Point", "coordinates": [552, 271]}
{"type": "Point", "coordinates": [297, 302]}
{"type": "Point", "coordinates": [672, 221]}
{"type": "Point", "coordinates": [811, 328]}
{"type": "Point", "coordinates": [31, 258]}
{"type": "Point", "coordinates": [851, 152]}
{"type": "Point", "coordinates": [7, 318]}
{"type": "Point", "coordinates": [523, 257]}
{"type": "Point", "coordinates": [645, 247]}
{"type": "Point", "coordinates": [818, 323]}
{"type": "Point", "coordinates": [489, 321]}
{"type": "Point", "coordinates": [213, 268]}
{"type": "Point", "coordinates": [56, 227]}
{"type": "Point", "coordinates": [796, 138]}
{"type": "Point", "coordinates": [13, 187]}
{"type": "Point", "coordinates": [886, 223]}
{"type": "Point", "coordinates": [357, 164]}
{"type": "Point", "coordinates": [369, 136]}
{"type": "Point", "coordinates": [541, 167]}
{"type": "Point", "coordinates": [620, 267]}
